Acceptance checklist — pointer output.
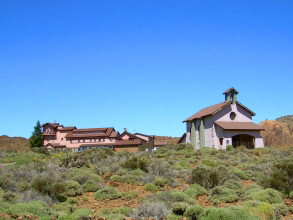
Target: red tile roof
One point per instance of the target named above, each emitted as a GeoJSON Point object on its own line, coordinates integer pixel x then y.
{"type": "Point", "coordinates": [207, 111]}
{"type": "Point", "coordinates": [127, 142]}
{"type": "Point", "coordinates": [211, 110]}
{"type": "Point", "coordinates": [238, 125]}
{"type": "Point", "coordinates": [107, 133]}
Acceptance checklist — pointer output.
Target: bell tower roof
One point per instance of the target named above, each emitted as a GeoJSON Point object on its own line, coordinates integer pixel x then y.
{"type": "Point", "coordinates": [231, 95]}
{"type": "Point", "coordinates": [231, 90]}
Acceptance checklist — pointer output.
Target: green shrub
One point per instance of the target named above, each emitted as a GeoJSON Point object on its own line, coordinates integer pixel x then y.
{"type": "Point", "coordinates": [192, 212]}
{"type": "Point", "coordinates": [251, 189]}
{"type": "Point", "coordinates": [90, 186]}
{"type": "Point", "coordinates": [10, 197]}
{"type": "Point", "coordinates": [129, 195]}
{"type": "Point", "coordinates": [229, 147]}
{"type": "Point", "coordinates": [151, 187]}
{"type": "Point", "coordinates": [136, 163]}
{"type": "Point", "coordinates": [81, 179]}
{"type": "Point", "coordinates": [211, 162]}
{"type": "Point", "coordinates": [281, 177]}
{"type": "Point", "coordinates": [6, 183]}
{"type": "Point", "coordinates": [195, 190]}
{"type": "Point", "coordinates": [268, 195]}
{"type": "Point", "coordinates": [4, 206]}
{"type": "Point", "coordinates": [107, 193]}
{"type": "Point", "coordinates": [260, 209]}
{"type": "Point", "coordinates": [230, 213]}
{"type": "Point", "coordinates": [169, 197]}
{"type": "Point", "coordinates": [179, 208]}
{"type": "Point", "coordinates": [22, 186]}
{"type": "Point", "coordinates": [75, 160]}
{"type": "Point", "coordinates": [161, 182]}
{"type": "Point", "coordinates": [73, 188]}
{"type": "Point", "coordinates": [49, 185]}
{"type": "Point", "coordinates": [83, 212]}
{"type": "Point", "coordinates": [239, 173]}
{"type": "Point", "coordinates": [209, 177]}
{"type": "Point", "coordinates": [130, 179]}
{"type": "Point", "coordinates": [72, 201]}
{"type": "Point", "coordinates": [64, 207]}
{"type": "Point", "coordinates": [123, 210]}
{"type": "Point", "coordinates": [151, 210]}
{"type": "Point", "coordinates": [280, 208]}
{"type": "Point", "coordinates": [118, 213]}
{"type": "Point", "coordinates": [223, 194]}
{"type": "Point", "coordinates": [237, 186]}
{"type": "Point", "coordinates": [37, 208]}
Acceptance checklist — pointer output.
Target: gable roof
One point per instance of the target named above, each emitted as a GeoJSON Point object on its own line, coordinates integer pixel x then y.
{"type": "Point", "coordinates": [207, 111]}
{"type": "Point", "coordinates": [229, 90]}
{"type": "Point", "coordinates": [211, 110]}
{"type": "Point", "coordinates": [130, 135]}
{"type": "Point", "coordinates": [55, 125]}
{"type": "Point", "coordinates": [238, 125]}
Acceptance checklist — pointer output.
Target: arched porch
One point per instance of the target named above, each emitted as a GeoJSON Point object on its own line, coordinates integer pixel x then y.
{"type": "Point", "coordinates": [244, 140]}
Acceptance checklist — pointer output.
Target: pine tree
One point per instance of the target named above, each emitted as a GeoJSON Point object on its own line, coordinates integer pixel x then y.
{"type": "Point", "coordinates": [36, 140]}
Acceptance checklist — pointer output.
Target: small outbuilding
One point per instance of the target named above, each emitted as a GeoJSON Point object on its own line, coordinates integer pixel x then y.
{"type": "Point", "coordinates": [223, 124]}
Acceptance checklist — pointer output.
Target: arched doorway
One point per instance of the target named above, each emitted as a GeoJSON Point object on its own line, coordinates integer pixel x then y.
{"type": "Point", "coordinates": [243, 139]}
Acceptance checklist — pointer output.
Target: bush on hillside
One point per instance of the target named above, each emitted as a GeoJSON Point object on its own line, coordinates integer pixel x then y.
{"type": "Point", "coordinates": [151, 187]}
{"type": "Point", "coordinates": [37, 208]}
{"type": "Point", "coordinates": [151, 210]}
{"type": "Point", "coordinates": [195, 190]}
{"type": "Point", "coordinates": [209, 177]}
{"type": "Point", "coordinates": [136, 163]}
{"type": "Point", "coordinates": [260, 209]}
{"type": "Point", "coordinates": [230, 213]}
{"type": "Point", "coordinates": [73, 188]}
{"type": "Point", "coordinates": [91, 186]}
{"type": "Point", "coordinates": [169, 197]}
{"type": "Point", "coordinates": [48, 184]}
{"type": "Point", "coordinates": [281, 177]}
{"type": "Point", "coordinates": [178, 208]}
{"type": "Point", "coordinates": [268, 195]}
{"type": "Point", "coordinates": [107, 193]}
{"type": "Point", "coordinates": [223, 194]}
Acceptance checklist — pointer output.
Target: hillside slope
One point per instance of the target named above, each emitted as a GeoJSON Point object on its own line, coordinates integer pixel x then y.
{"type": "Point", "coordinates": [278, 132]}
{"type": "Point", "coordinates": [18, 144]}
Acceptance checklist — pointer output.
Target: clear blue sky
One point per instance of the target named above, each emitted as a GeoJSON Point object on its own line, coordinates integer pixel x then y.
{"type": "Point", "coordinates": [143, 65]}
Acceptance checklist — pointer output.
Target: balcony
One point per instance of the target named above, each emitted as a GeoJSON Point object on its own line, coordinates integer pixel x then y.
{"type": "Point", "coordinates": [49, 133]}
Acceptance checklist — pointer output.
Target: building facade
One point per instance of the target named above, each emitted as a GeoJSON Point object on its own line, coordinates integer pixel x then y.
{"type": "Point", "coordinates": [226, 123]}
{"type": "Point", "coordinates": [57, 136]}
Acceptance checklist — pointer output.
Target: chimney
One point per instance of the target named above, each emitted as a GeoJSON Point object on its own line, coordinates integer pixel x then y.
{"type": "Point", "coordinates": [125, 129]}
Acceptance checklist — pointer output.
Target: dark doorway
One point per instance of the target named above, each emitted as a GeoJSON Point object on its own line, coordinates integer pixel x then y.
{"type": "Point", "coordinates": [243, 139]}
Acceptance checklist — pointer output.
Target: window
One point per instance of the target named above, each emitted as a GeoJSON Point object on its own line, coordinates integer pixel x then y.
{"type": "Point", "coordinates": [232, 116]}
{"type": "Point", "coordinates": [70, 141]}
{"type": "Point", "coordinates": [78, 141]}
{"type": "Point", "coordinates": [83, 141]}
{"type": "Point", "coordinates": [95, 140]}
{"type": "Point", "coordinates": [61, 139]}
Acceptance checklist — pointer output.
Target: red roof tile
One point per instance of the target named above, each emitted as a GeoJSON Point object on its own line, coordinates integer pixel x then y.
{"type": "Point", "coordinates": [128, 142]}
{"type": "Point", "coordinates": [207, 111]}
{"type": "Point", "coordinates": [214, 109]}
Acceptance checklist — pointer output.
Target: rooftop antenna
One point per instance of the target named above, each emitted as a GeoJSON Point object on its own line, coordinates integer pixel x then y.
{"type": "Point", "coordinates": [134, 130]}
{"type": "Point", "coordinates": [55, 119]}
